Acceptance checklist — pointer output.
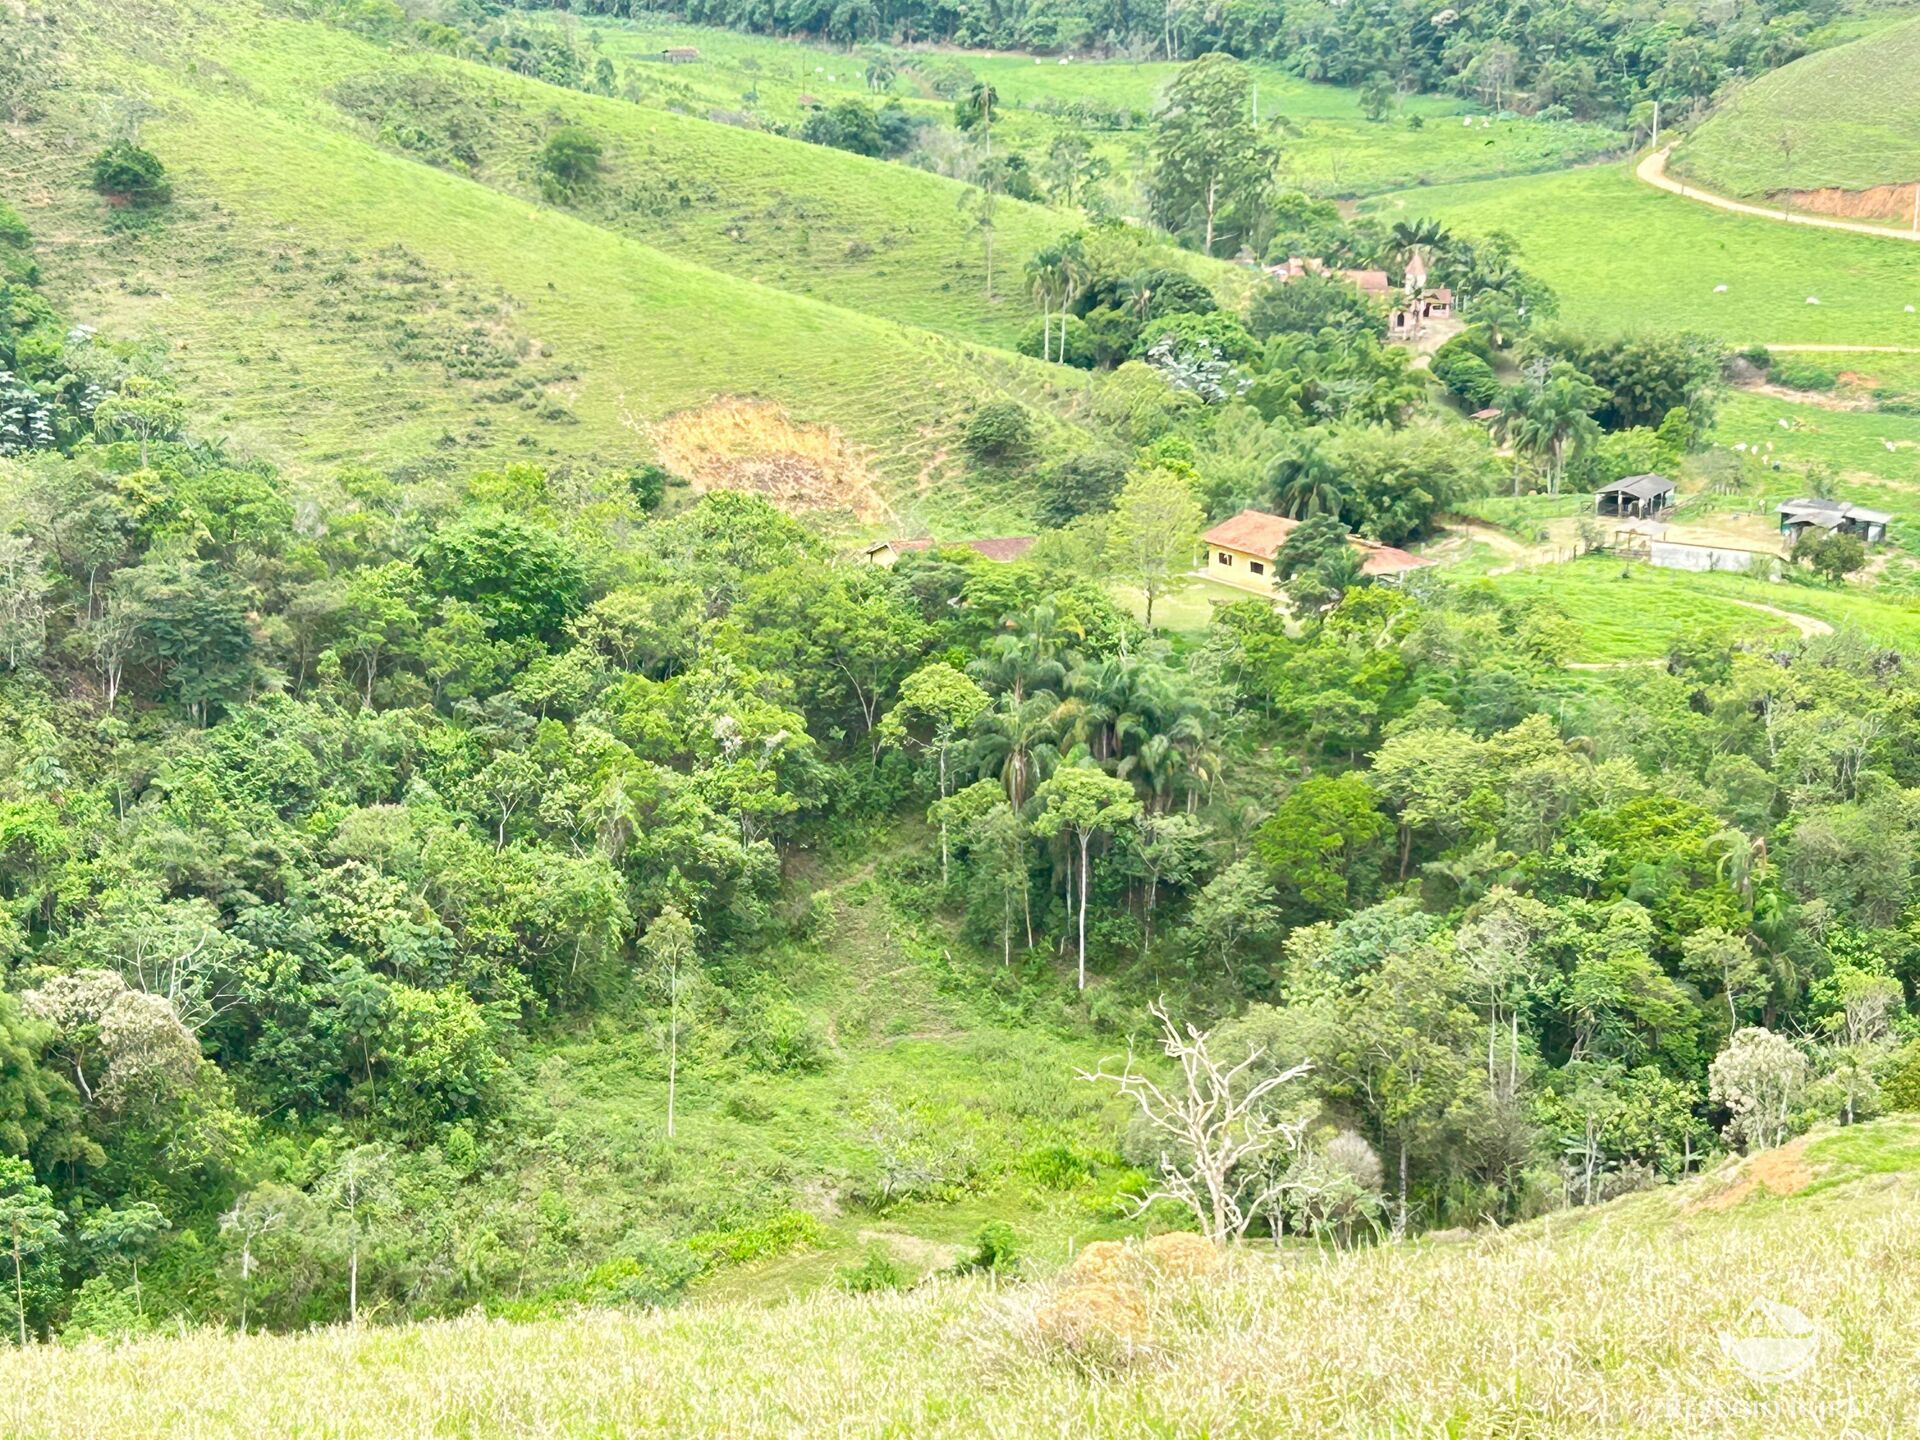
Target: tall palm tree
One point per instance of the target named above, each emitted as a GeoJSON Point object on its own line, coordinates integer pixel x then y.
{"type": "Point", "coordinates": [1304, 481]}
{"type": "Point", "coordinates": [1076, 273]}
{"type": "Point", "coordinates": [1425, 233]}
{"type": "Point", "coordinates": [1138, 294]}
{"type": "Point", "coordinates": [1016, 740]}
{"type": "Point", "coordinates": [1030, 653]}
{"type": "Point", "coordinates": [1551, 419]}
{"type": "Point", "coordinates": [981, 102]}
{"type": "Point", "coordinates": [1047, 283]}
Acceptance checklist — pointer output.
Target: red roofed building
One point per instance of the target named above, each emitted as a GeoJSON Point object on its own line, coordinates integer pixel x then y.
{"type": "Point", "coordinates": [1002, 548]}
{"type": "Point", "coordinates": [1371, 283]}
{"type": "Point", "coordinates": [1240, 552]}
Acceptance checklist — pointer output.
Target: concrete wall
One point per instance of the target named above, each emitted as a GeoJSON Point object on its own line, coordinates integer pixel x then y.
{"type": "Point", "coordinates": [1678, 555]}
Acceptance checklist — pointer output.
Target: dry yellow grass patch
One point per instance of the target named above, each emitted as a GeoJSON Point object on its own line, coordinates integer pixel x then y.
{"type": "Point", "coordinates": [1099, 1262]}
{"type": "Point", "coordinates": [1104, 1322]}
{"type": "Point", "coordinates": [754, 445]}
{"type": "Point", "coordinates": [1627, 1320]}
{"type": "Point", "coordinates": [1182, 1255]}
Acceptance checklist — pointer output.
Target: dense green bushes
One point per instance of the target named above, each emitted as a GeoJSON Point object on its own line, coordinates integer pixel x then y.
{"type": "Point", "coordinates": [124, 171]}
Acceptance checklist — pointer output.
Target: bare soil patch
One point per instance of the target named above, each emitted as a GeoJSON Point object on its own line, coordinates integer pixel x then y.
{"type": "Point", "coordinates": [1818, 399]}
{"type": "Point", "coordinates": [1876, 202]}
{"type": "Point", "coordinates": [1783, 1171]}
{"type": "Point", "coordinates": [754, 445]}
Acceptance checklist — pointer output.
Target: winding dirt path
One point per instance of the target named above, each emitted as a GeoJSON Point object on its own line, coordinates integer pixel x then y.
{"type": "Point", "coordinates": [1808, 625]}
{"type": "Point", "coordinates": [1652, 170]}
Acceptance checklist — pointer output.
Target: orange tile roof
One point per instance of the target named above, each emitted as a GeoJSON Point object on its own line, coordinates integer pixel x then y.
{"type": "Point", "coordinates": [1005, 547]}
{"type": "Point", "coordinates": [1254, 532]}
{"type": "Point", "coordinates": [1388, 560]}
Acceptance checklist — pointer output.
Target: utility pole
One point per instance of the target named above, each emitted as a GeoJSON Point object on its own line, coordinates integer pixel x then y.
{"type": "Point", "coordinates": [1656, 126]}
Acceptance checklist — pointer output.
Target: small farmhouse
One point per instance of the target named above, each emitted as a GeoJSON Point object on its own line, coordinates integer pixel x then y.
{"type": "Point", "coordinates": [1002, 548]}
{"type": "Point", "coordinates": [1371, 283]}
{"type": "Point", "coordinates": [1797, 517]}
{"type": "Point", "coordinates": [680, 55]}
{"type": "Point", "coordinates": [1240, 552]}
{"type": "Point", "coordinates": [1639, 496]}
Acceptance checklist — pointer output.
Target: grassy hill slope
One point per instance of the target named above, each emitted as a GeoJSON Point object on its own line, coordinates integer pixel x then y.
{"type": "Point", "coordinates": [1638, 1318]}
{"type": "Point", "coordinates": [326, 299]}
{"type": "Point", "coordinates": [1622, 255]}
{"type": "Point", "coordinates": [865, 234]}
{"type": "Point", "coordinates": [1326, 145]}
{"type": "Point", "coordinates": [1848, 117]}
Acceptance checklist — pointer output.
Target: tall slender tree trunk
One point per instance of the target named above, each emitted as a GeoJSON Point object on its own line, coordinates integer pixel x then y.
{"type": "Point", "coordinates": [1084, 839]}
{"type": "Point", "coordinates": [943, 818]}
{"type": "Point", "coordinates": [1026, 901]}
{"type": "Point", "coordinates": [673, 1045]}
{"type": "Point", "coordinates": [1400, 1221]}
{"type": "Point", "coordinates": [19, 1286]}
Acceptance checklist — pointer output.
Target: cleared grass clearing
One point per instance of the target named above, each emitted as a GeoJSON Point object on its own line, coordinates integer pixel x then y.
{"type": "Point", "coordinates": [1622, 255]}
{"type": "Point", "coordinates": [1188, 610]}
{"type": "Point", "coordinates": [1865, 446]}
{"type": "Point", "coordinates": [1874, 613]}
{"type": "Point", "coordinates": [1023, 81]}
{"type": "Point", "coordinates": [1348, 158]}
{"type": "Point", "coordinates": [1625, 610]}
{"type": "Point", "coordinates": [1627, 1320]}
{"type": "Point", "coordinates": [1850, 118]}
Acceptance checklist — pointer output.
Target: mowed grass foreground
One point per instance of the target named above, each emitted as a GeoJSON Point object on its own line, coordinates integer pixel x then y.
{"type": "Point", "coordinates": [1613, 1323]}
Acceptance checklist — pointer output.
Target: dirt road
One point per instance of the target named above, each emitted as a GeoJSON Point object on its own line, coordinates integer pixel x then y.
{"type": "Point", "coordinates": [1652, 170]}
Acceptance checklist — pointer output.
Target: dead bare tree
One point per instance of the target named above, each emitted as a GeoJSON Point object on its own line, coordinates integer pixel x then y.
{"type": "Point", "coordinates": [1219, 1128]}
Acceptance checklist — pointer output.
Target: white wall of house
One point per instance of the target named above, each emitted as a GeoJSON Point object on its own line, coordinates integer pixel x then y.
{"type": "Point", "coordinates": [1237, 567]}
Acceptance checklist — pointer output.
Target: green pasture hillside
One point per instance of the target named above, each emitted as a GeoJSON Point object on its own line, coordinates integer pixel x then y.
{"type": "Point", "coordinates": [1765, 1298]}
{"type": "Point", "coordinates": [1326, 145]}
{"type": "Point", "coordinates": [326, 299]}
{"type": "Point", "coordinates": [861, 233]}
{"type": "Point", "coordinates": [1623, 256]}
{"type": "Point", "coordinates": [1846, 118]}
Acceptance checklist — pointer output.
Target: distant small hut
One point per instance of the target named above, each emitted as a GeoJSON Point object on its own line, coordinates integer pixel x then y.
{"type": "Point", "coordinates": [1837, 517]}
{"type": "Point", "coordinates": [1000, 547]}
{"type": "Point", "coordinates": [1637, 495]}
{"type": "Point", "coordinates": [680, 55]}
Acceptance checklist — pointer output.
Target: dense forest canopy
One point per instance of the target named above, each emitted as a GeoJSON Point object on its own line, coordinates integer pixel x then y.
{"type": "Point", "coordinates": [413, 878]}
{"type": "Point", "coordinates": [325, 810]}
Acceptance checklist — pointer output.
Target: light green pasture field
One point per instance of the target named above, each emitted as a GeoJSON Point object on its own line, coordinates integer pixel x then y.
{"type": "Point", "coordinates": [1622, 255]}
